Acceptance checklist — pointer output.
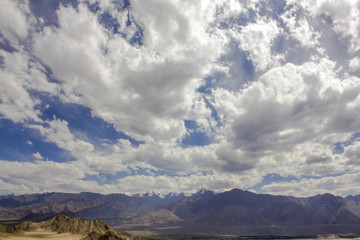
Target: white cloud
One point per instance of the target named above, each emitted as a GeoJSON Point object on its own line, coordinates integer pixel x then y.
{"type": "Point", "coordinates": [47, 176]}
{"type": "Point", "coordinates": [299, 28]}
{"type": "Point", "coordinates": [19, 75]}
{"type": "Point", "coordinates": [344, 17]}
{"type": "Point", "coordinates": [125, 84]}
{"type": "Point", "coordinates": [354, 63]}
{"type": "Point", "coordinates": [280, 120]}
{"type": "Point", "coordinates": [38, 156]}
{"type": "Point", "coordinates": [16, 103]}
{"type": "Point", "coordinates": [58, 132]}
{"type": "Point", "coordinates": [14, 188]}
{"type": "Point", "coordinates": [10, 13]}
{"type": "Point", "coordinates": [352, 153]}
{"type": "Point", "coordinates": [342, 185]}
{"type": "Point", "coordinates": [283, 119]}
{"type": "Point", "coordinates": [39, 174]}
{"type": "Point", "coordinates": [257, 39]}
{"type": "Point", "coordinates": [186, 184]}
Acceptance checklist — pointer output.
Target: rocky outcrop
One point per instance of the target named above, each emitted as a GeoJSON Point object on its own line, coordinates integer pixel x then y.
{"type": "Point", "coordinates": [91, 230]}
{"type": "Point", "coordinates": [6, 229]}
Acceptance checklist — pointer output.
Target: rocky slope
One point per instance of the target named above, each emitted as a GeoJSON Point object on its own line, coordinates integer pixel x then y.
{"type": "Point", "coordinates": [91, 230]}
{"type": "Point", "coordinates": [159, 216]}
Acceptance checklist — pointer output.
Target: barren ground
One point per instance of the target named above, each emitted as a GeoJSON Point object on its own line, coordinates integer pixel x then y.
{"type": "Point", "coordinates": [43, 234]}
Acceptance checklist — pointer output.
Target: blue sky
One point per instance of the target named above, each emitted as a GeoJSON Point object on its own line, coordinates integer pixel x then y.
{"type": "Point", "coordinates": [175, 96]}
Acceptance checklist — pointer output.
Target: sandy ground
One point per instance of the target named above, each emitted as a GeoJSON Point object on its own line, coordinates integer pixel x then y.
{"type": "Point", "coordinates": [42, 234]}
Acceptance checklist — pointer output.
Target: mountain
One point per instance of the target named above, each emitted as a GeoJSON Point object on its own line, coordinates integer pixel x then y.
{"type": "Point", "coordinates": [234, 212]}
{"type": "Point", "coordinates": [336, 209]}
{"type": "Point", "coordinates": [355, 198]}
{"type": "Point", "coordinates": [40, 207]}
{"type": "Point", "coordinates": [90, 230]}
{"type": "Point", "coordinates": [245, 213]}
{"type": "Point", "coordinates": [156, 200]}
{"type": "Point", "coordinates": [203, 193]}
{"type": "Point", "coordinates": [157, 216]}
{"type": "Point", "coordinates": [291, 213]}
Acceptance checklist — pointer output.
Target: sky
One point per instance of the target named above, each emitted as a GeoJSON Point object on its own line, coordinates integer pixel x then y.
{"type": "Point", "coordinates": [173, 96]}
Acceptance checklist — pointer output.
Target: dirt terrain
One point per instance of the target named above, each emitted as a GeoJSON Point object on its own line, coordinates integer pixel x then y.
{"type": "Point", "coordinates": [43, 234]}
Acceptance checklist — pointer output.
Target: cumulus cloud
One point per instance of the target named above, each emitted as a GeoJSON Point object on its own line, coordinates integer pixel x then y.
{"type": "Point", "coordinates": [292, 118]}
{"type": "Point", "coordinates": [123, 83]}
{"type": "Point", "coordinates": [274, 86]}
{"type": "Point", "coordinates": [257, 38]}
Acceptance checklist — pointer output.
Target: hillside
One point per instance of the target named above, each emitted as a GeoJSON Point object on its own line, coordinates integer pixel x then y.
{"type": "Point", "coordinates": [89, 230]}
{"type": "Point", "coordinates": [157, 216]}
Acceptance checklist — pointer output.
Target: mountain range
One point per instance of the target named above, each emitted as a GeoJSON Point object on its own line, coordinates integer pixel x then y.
{"type": "Point", "coordinates": [234, 212]}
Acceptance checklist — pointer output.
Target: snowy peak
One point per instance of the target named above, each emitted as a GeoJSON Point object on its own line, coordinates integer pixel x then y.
{"type": "Point", "coordinates": [156, 199]}
{"type": "Point", "coordinates": [203, 192]}
{"type": "Point", "coordinates": [151, 195]}
{"type": "Point", "coordinates": [174, 195]}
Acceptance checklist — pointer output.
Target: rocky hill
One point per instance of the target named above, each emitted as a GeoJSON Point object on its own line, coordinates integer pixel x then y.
{"type": "Point", "coordinates": [6, 229]}
{"type": "Point", "coordinates": [91, 230]}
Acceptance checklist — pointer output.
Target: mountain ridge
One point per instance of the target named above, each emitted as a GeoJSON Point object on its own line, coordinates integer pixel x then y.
{"type": "Point", "coordinates": [243, 212]}
{"type": "Point", "coordinates": [236, 212]}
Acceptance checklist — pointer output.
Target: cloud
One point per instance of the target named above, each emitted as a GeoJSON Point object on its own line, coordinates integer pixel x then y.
{"type": "Point", "coordinates": [186, 184]}
{"type": "Point", "coordinates": [273, 87]}
{"type": "Point", "coordinates": [354, 63]}
{"type": "Point", "coordinates": [20, 75]}
{"type": "Point", "coordinates": [340, 185]}
{"type": "Point", "coordinates": [157, 81]}
{"type": "Point", "coordinates": [38, 156]}
{"type": "Point", "coordinates": [58, 132]}
{"type": "Point", "coordinates": [257, 39]}
{"type": "Point", "coordinates": [345, 19]}
{"type": "Point", "coordinates": [13, 12]}
{"type": "Point", "coordinates": [291, 115]}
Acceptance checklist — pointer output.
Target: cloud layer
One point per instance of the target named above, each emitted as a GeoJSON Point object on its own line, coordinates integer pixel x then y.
{"type": "Point", "coordinates": [166, 96]}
